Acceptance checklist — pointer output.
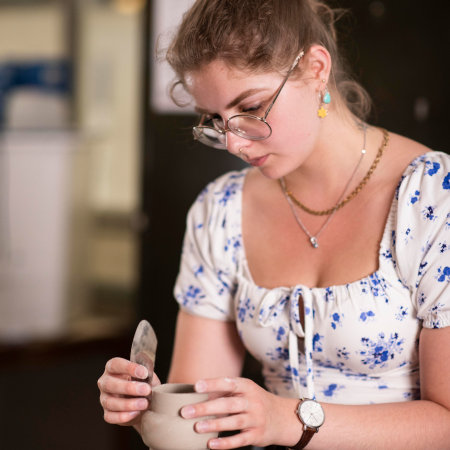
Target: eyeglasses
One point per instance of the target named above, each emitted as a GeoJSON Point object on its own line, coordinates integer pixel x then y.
{"type": "Point", "coordinates": [211, 132]}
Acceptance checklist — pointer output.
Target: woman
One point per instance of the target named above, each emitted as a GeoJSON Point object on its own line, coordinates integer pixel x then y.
{"type": "Point", "coordinates": [327, 259]}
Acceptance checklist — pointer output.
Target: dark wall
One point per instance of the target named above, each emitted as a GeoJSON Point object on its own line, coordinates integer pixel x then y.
{"type": "Point", "coordinates": [399, 52]}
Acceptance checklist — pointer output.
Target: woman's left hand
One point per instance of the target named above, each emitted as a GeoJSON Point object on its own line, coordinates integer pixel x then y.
{"type": "Point", "coordinates": [240, 404]}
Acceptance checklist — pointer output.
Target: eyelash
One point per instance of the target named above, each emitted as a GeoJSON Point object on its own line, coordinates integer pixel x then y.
{"type": "Point", "coordinates": [252, 109]}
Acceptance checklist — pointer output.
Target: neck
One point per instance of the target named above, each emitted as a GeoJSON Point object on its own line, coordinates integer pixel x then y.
{"type": "Point", "coordinates": [322, 176]}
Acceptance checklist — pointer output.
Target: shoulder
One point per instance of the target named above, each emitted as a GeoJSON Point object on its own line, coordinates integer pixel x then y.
{"type": "Point", "coordinates": [423, 193]}
{"type": "Point", "coordinates": [223, 189]}
{"type": "Point", "coordinates": [219, 199]}
{"type": "Point", "coordinates": [427, 178]}
{"type": "Point", "coordinates": [422, 223]}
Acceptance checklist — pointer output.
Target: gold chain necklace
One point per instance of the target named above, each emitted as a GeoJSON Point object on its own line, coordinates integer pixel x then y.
{"type": "Point", "coordinates": [352, 194]}
{"type": "Point", "coordinates": [314, 239]}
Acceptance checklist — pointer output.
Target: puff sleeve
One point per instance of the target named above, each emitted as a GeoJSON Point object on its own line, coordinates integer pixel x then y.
{"type": "Point", "coordinates": [205, 283]}
{"type": "Point", "coordinates": [422, 237]}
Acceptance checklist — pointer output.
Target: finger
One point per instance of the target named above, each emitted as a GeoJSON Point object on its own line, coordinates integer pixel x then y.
{"type": "Point", "coordinates": [155, 380]}
{"type": "Point", "coordinates": [219, 406]}
{"type": "Point", "coordinates": [227, 423]}
{"type": "Point", "coordinates": [120, 418]}
{"type": "Point", "coordinates": [121, 366]}
{"type": "Point", "coordinates": [225, 385]}
{"type": "Point", "coordinates": [118, 404]}
{"type": "Point", "coordinates": [242, 439]}
{"type": "Point", "coordinates": [117, 386]}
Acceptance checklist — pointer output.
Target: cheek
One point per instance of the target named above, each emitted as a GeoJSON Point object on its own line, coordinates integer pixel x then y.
{"type": "Point", "coordinates": [296, 118]}
{"type": "Point", "coordinates": [295, 129]}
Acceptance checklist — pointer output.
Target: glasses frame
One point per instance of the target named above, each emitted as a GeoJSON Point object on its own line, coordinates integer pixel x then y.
{"type": "Point", "coordinates": [223, 130]}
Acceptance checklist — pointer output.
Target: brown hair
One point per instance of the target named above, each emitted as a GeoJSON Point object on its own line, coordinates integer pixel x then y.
{"type": "Point", "coordinates": [261, 35]}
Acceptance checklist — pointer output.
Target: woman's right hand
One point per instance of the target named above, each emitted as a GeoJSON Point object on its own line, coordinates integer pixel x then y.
{"type": "Point", "coordinates": [124, 392]}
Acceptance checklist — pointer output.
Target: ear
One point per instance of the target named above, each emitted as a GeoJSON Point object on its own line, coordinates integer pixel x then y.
{"type": "Point", "coordinates": [319, 64]}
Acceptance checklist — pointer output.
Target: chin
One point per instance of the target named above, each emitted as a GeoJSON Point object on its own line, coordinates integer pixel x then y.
{"type": "Point", "coordinates": [270, 172]}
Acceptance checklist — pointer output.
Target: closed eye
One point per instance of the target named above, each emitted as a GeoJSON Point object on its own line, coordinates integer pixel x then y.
{"type": "Point", "coordinates": [252, 109]}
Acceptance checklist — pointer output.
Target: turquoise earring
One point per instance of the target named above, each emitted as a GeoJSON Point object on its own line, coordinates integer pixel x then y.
{"type": "Point", "coordinates": [325, 100]}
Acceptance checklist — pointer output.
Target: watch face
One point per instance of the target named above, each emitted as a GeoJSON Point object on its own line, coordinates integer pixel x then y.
{"type": "Point", "coordinates": [311, 413]}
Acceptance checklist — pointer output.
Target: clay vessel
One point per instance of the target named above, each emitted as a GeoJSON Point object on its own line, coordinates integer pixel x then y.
{"type": "Point", "coordinates": [163, 428]}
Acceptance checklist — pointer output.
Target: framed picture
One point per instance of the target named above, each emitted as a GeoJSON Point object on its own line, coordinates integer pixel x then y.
{"type": "Point", "coordinates": [166, 15]}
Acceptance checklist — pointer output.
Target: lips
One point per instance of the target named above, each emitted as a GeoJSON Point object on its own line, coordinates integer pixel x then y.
{"type": "Point", "coordinates": [256, 162]}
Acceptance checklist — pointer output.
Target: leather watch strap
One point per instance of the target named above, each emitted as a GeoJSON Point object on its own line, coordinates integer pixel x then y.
{"type": "Point", "coordinates": [304, 440]}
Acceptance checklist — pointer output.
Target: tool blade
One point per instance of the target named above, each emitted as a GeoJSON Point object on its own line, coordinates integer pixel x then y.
{"type": "Point", "coordinates": [143, 348]}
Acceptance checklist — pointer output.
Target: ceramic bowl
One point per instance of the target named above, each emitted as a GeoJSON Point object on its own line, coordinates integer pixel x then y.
{"type": "Point", "coordinates": [163, 428]}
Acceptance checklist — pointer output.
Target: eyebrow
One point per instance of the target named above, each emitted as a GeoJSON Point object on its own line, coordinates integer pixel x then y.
{"type": "Point", "coordinates": [236, 101]}
{"type": "Point", "coordinates": [242, 96]}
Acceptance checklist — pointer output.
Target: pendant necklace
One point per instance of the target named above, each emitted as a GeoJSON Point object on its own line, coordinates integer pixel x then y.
{"type": "Point", "coordinates": [313, 239]}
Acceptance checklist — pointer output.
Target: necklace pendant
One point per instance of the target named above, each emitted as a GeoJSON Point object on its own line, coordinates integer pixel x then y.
{"type": "Point", "coordinates": [314, 242]}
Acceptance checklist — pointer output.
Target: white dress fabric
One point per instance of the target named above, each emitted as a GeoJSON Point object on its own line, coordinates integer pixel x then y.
{"type": "Point", "coordinates": [359, 344]}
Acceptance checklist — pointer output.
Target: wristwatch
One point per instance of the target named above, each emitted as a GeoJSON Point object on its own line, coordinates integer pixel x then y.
{"type": "Point", "coordinates": [311, 415]}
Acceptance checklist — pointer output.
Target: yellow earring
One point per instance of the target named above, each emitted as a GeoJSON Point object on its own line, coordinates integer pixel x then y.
{"type": "Point", "coordinates": [325, 99]}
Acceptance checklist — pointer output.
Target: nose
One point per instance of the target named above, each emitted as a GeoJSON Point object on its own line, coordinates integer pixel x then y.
{"type": "Point", "coordinates": [234, 143]}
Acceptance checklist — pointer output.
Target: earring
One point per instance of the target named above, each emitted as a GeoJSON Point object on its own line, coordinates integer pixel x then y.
{"type": "Point", "coordinates": [325, 99]}
{"type": "Point", "coordinates": [241, 152]}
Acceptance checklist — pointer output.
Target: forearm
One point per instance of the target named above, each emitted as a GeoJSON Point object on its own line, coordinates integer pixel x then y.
{"type": "Point", "coordinates": [413, 425]}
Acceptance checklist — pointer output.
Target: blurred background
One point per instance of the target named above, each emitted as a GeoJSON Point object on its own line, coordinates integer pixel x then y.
{"type": "Point", "coordinates": [97, 171]}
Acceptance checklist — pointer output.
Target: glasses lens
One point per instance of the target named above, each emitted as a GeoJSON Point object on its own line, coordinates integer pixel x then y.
{"type": "Point", "coordinates": [210, 136]}
{"type": "Point", "coordinates": [249, 127]}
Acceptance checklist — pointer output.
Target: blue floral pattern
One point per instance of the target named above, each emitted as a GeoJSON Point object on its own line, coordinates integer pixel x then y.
{"type": "Point", "coordinates": [359, 340]}
{"type": "Point", "coordinates": [381, 351]}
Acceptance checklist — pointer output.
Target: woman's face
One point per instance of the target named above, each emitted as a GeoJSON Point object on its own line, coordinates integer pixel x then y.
{"type": "Point", "coordinates": [220, 90]}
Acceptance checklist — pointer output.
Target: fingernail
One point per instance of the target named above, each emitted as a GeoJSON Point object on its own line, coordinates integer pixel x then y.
{"type": "Point", "coordinates": [200, 386]}
{"type": "Point", "coordinates": [201, 427]}
{"type": "Point", "coordinates": [187, 412]}
{"type": "Point", "coordinates": [143, 389]}
{"type": "Point", "coordinates": [214, 443]}
{"type": "Point", "coordinates": [231, 382]}
{"type": "Point", "coordinates": [141, 404]}
{"type": "Point", "coordinates": [141, 372]}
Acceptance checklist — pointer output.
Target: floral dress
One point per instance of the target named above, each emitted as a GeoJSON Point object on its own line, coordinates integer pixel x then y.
{"type": "Point", "coordinates": [359, 343]}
